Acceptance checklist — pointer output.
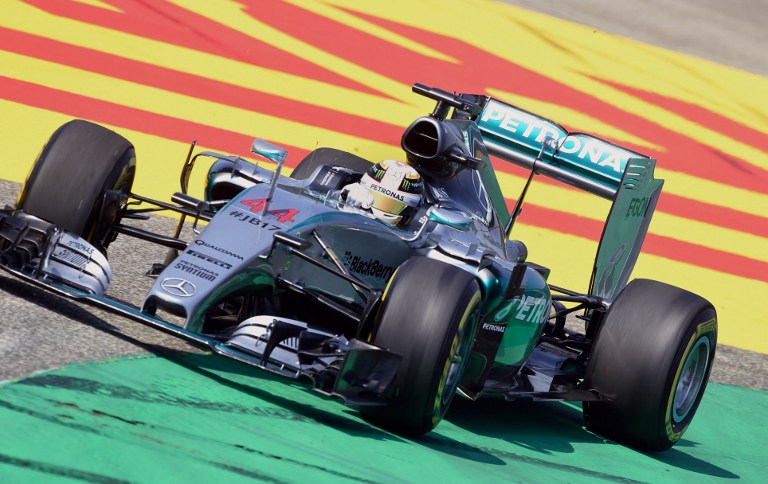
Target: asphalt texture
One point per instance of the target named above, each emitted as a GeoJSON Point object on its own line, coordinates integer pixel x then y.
{"type": "Point", "coordinates": [42, 331]}
{"type": "Point", "coordinates": [731, 33]}
{"type": "Point", "coordinates": [47, 331]}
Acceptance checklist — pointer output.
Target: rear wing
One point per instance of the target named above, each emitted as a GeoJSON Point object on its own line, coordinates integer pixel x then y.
{"type": "Point", "coordinates": [591, 164]}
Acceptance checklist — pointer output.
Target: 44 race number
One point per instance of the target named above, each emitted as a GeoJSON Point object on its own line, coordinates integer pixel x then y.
{"type": "Point", "coordinates": [283, 215]}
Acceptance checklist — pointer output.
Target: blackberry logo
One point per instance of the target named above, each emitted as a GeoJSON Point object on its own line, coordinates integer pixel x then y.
{"type": "Point", "coordinates": [367, 267]}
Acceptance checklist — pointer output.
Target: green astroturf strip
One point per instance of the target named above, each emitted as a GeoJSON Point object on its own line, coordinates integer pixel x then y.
{"type": "Point", "coordinates": [198, 417]}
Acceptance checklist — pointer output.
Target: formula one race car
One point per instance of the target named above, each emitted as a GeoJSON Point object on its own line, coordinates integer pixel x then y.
{"type": "Point", "coordinates": [399, 294]}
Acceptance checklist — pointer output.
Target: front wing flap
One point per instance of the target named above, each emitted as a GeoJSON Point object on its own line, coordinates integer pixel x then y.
{"type": "Point", "coordinates": [46, 252]}
{"type": "Point", "coordinates": [358, 372]}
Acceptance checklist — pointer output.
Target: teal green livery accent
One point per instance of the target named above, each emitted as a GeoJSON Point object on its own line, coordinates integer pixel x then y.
{"type": "Point", "coordinates": [520, 319]}
{"type": "Point", "coordinates": [625, 228]}
{"type": "Point", "coordinates": [583, 160]}
{"type": "Point", "coordinates": [525, 319]}
{"type": "Point", "coordinates": [517, 128]}
{"type": "Point", "coordinates": [592, 164]}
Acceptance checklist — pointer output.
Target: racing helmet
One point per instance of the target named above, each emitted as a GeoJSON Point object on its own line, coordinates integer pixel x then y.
{"type": "Point", "coordinates": [397, 190]}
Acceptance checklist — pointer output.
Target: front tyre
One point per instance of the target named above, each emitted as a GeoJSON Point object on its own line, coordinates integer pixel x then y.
{"type": "Point", "coordinates": [80, 180]}
{"type": "Point", "coordinates": [429, 317]}
{"type": "Point", "coordinates": [652, 358]}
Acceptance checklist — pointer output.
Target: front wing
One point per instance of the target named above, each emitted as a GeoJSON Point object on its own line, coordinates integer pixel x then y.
{"type": "Point", "coordinates": [358, 372]}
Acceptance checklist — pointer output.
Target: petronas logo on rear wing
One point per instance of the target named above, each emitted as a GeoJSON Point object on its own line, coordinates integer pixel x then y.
{"type": "Point", "coordinates": [584, 161]}
{"type": "Point", "coordinates": [591, 164]}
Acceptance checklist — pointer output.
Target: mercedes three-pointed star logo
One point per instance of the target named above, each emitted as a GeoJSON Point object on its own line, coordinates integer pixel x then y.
{"type": "Point", "coordinates": [178, 287]}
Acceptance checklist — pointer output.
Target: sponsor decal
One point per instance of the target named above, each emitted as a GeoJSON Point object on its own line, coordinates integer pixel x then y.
{"type": "Point", "coordinates": [637, 207]}
{"type": "Point", "coordinates": [196, 270]}
{"type": "Point", "coordinates": [502, 118]}
{"type": "Point", "coordinates": [71, 257]}
{"type": "Point", "coordinates": [482, 195]}
{"type": "Point", "coordinates": [518, 122]}
{"type": "Point", "coordinates": [283, 215]}
{"type": "Point", "coordinates": [209, 259]}
{"type": "Point", "coordinates": [529, 309]}
{"type": "Point", "coordinates": [330, 179]}
{"type": "Point", "coordinates": [178, 287]}
{"type": "Point", "coordinates": [367, 267]}
{"type": "Point", "coordinates": [254, 220]}
{"type": "Point", "coordinates": [388, 192]}
{"type": "Point", "coordinates": [378, 174]}
{"type": "Point", "coordinates": [594, 151]}
{"type": "Point", "coordinates": [218, 249]}
{"type": "Point", "coordinates": [80, 247]}
{"type": "Point", "coordinates": [532, 309]}
{"type": "Point", "coordinates": [605, 282]}
{"type": "Point", "coordinates": [466, 141]}
{"type": "Point", "coordinates": [440, 193]}
{"type": "Point", "coordinates": [498, 328]}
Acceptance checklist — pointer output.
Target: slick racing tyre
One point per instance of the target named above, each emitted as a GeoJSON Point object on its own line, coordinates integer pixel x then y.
{"type": "Point", "coordinates": [652, 358]}
{"type": "Point", "coordinates": [429, 316]}
{"type": "Point", "coordinates": [80, 180]}
{"type": "Point", "coordinates": [329, 156]}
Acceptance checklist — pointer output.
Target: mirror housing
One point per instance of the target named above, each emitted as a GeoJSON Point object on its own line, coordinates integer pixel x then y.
{"type": "Point", "coordinates": [269, 151]}
{"type": "Point", "coordinates": [451, 218]}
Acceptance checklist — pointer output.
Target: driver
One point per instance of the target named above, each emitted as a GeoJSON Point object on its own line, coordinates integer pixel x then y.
{"type": "Point", "coordinates": [391, 190]}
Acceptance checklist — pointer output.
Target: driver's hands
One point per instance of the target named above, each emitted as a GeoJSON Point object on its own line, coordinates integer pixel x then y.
{"type": "Point", "coordinates": [356, 195]}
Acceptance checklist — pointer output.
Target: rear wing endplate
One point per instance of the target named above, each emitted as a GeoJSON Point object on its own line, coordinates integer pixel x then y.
{"type": "Point", "coordinates": [591, 164]}
{"type": "Point", "coordinates": [625, 228]}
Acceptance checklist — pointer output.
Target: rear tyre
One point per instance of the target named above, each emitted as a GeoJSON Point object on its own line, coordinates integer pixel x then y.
{"type": "Point", "coordinates": [652, 357]}
{"type": "Point", "coordinates": [329, 156]}
{"type": "Point", "coordinates": [80, 180]}
{"type": "Point", "coordinates": [429, 317]}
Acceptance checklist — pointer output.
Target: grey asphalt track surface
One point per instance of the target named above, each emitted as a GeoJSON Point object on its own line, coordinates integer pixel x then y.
{"type": "Point", "coordinates": [731, 32]}
{"type": "Point", "coordinates": [41, 331]}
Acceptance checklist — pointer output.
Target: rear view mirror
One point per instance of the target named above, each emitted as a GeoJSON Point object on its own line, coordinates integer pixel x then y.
{"type": "Point", "coordinates": [268, 150]}
{"type": "Point", "coordinates": [451, 218]}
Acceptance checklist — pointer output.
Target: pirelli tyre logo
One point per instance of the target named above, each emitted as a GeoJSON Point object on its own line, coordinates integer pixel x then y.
{"type": "Point", "coordinates": [209, 259]}
{"type": "Point", "coordinates": [367, 267]}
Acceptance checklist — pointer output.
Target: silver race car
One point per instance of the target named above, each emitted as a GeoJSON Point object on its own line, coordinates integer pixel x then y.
{"type": "Point", "coordinates": [394, 286]}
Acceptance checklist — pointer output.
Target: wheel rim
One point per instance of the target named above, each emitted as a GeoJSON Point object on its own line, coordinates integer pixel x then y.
{"type": "Point", "coordinates": [691, 379]}
{"type": "Point", "coordinates": [459, 359]}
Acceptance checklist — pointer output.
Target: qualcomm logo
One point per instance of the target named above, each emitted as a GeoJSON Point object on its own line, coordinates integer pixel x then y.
{"type": "Point", "coordinates": [218, 249]}
{"type": "Point", "coordinates": [178, 287]}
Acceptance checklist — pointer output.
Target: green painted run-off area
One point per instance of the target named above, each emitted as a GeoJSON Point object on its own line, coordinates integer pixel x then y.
{"type": "Point", "coordinates": [199, 418]}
